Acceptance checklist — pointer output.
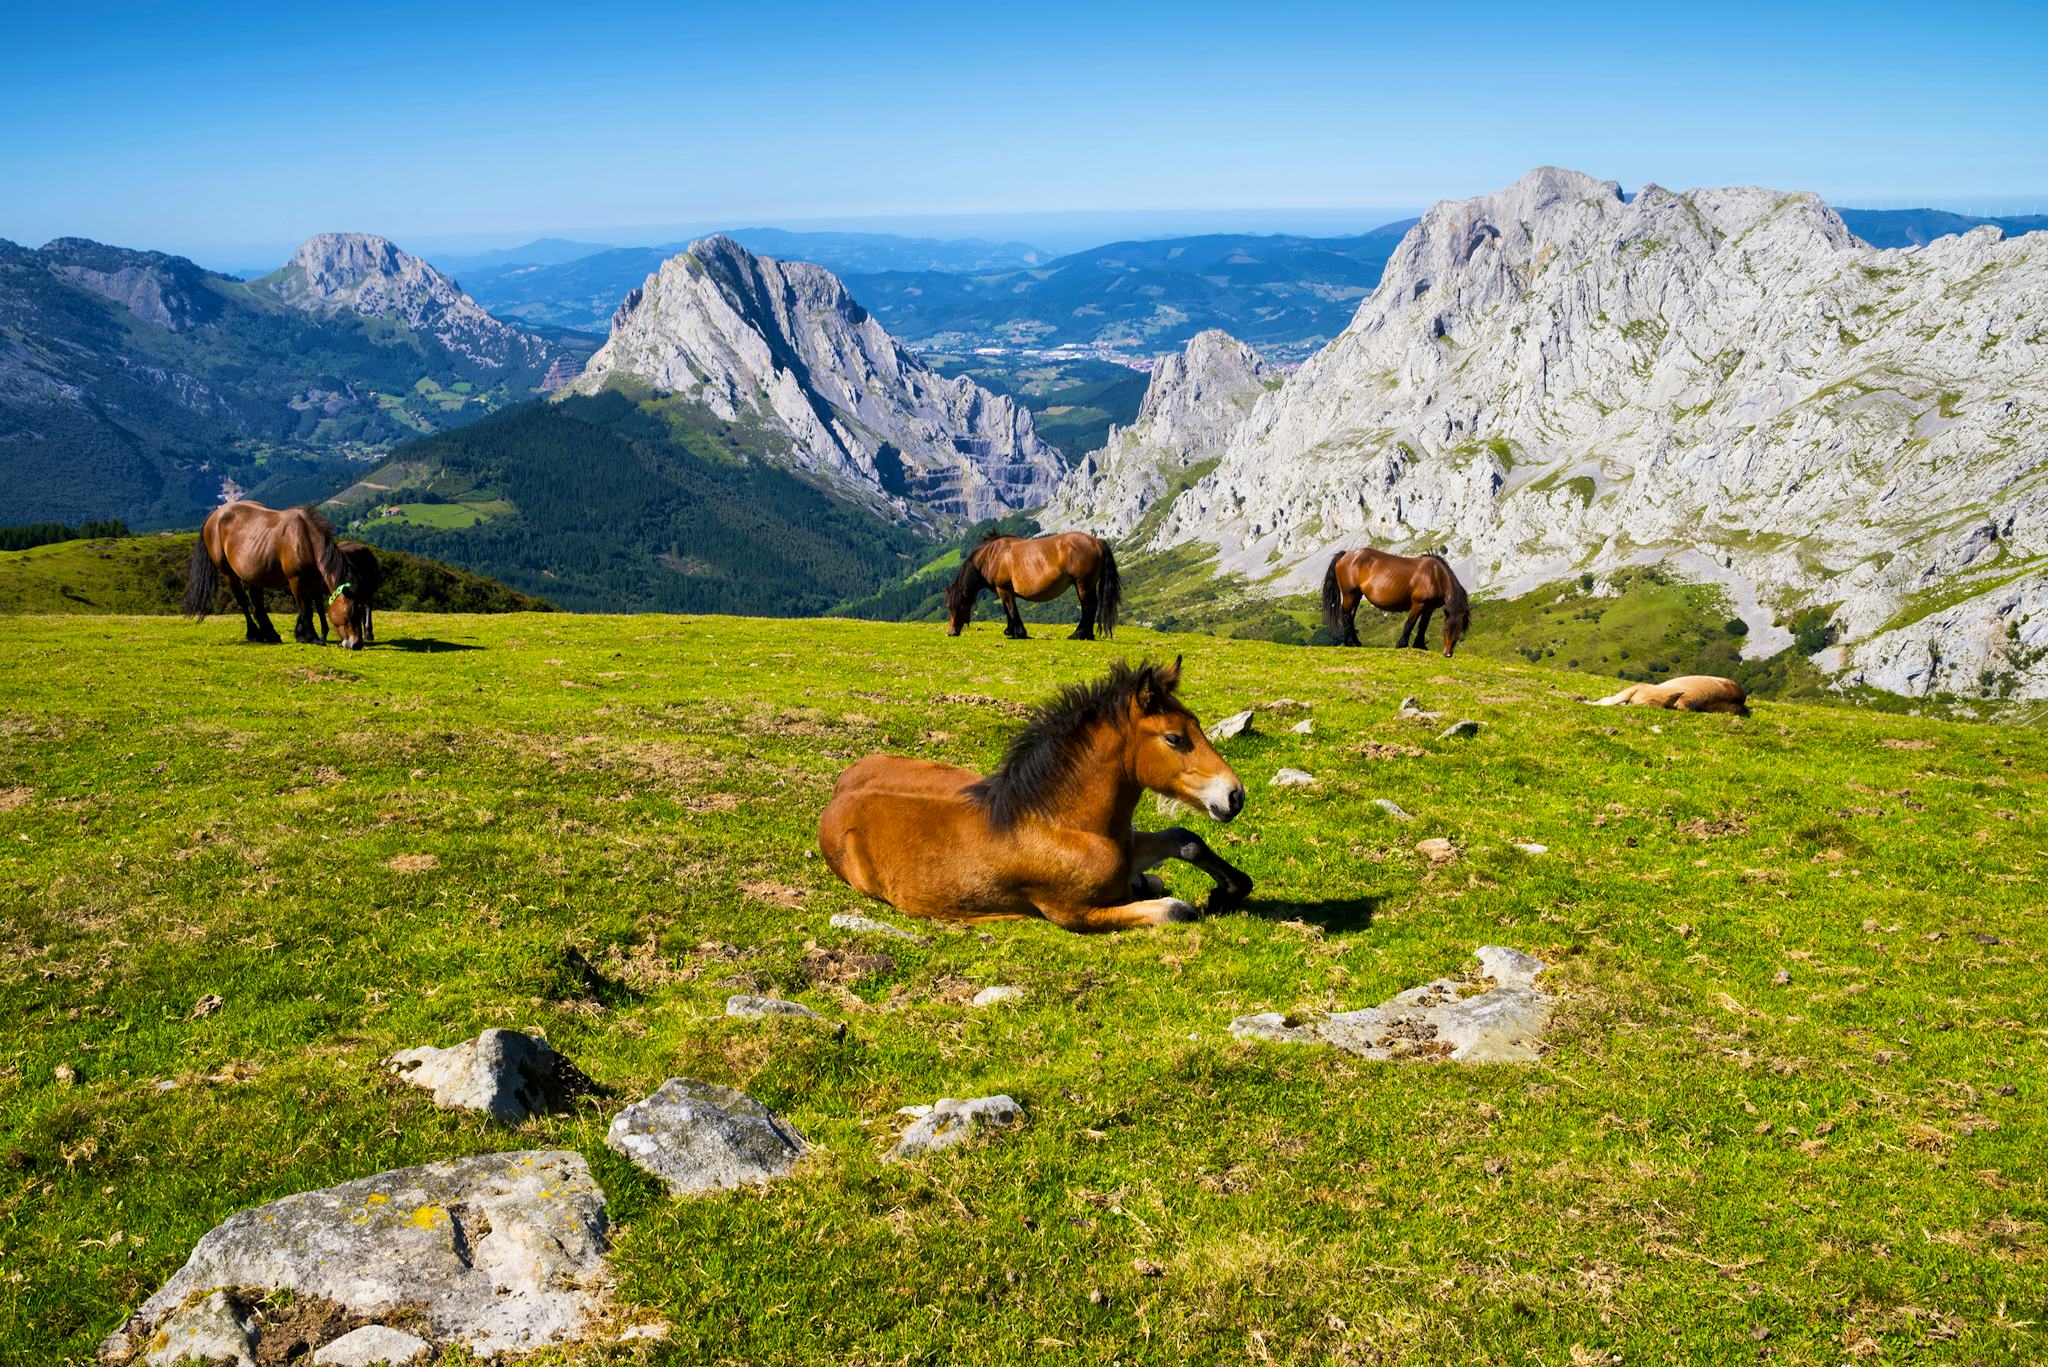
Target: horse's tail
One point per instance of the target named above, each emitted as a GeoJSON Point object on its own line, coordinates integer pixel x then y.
{"type": "Point", "coordinates": [1109, 592]}
{"type": "Point", "coordinates": [1333, 599]}
{"type": "Point", "coordinates": [202, 580]}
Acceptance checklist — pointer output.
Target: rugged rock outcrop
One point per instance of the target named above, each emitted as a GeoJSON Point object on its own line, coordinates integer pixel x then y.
{"type": "Point", "coordinates": [366, 275]}
{"type": "Point", "coordinates": [1193, 403]}
{"type": "Point", "coordinates": [1463, 1021]}
{"type": "Point", "coordinates": [1555, 379]}
{"type": "Point", "coordinates": [503, 1251]}
{"type": "Point", "coordinates": [699, 1137]}
{"type": "Point", "coordinates": [780, 347]}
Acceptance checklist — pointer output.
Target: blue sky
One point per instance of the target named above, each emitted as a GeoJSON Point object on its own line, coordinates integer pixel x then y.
{"type": "Point", "coordinates": [229, 131]}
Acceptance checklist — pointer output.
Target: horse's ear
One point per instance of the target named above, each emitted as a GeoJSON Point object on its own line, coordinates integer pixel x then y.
{"type": "Point", "coordinates": [1169, 679]}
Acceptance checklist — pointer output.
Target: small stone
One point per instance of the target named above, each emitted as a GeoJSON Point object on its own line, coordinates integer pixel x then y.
{"type": "Point", "coordinates": [698, 1137]}
{"type": "Point", "coordinates": [1459, 730]}
{"type": "Point", "coordinates": [1411, 703]}
{"type": "Point", "coordinates": [1097, 1296]}
{"type": "Point", "coordinates": [206, 1006]}
{"type": "Point", "coordinates": [1236, 724]}
{"type": "Point", "coordinates": [1391, 808]}
{"type": "Point", "coordinates": [1531, 847]}
{"type": "Point", "coordinates": [1983, 938]}
{"type": "Point", "coordinates": [1305, 727]}
{"type": "Point", "coordinates": [208, 1331]}
{"type": "Point", "coordinates": [373, 1343]}
{"type": "Point", "coordinates": [1145, 1267]}
{"type": "Point", "coordinates": [867, 925]}
{"type": "Point", "coordinates": [991, 996]}
{"type": "Point", "coordinates": [506, 1074]}
{"type": "Point", "coordinates": [643, 1332]}
{"type": "Point", "coordinates": [1291, 778]}
{"type": "Point", "coordinates": [1781, 977]}
{"type": "Point", "coordinates": [1439, 850]}
{"type": "Point", "coordinates": [953, 1122]}
{"type": "Point", "coordinates": [66, 1075]}
{"type": "Point", "coordinates": [742, 1005]}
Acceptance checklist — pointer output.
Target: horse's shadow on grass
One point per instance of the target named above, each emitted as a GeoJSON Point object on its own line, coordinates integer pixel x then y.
{"type": "Point", "coordinates": [1336, 915]}
{"type": "Point", "coordinates": [423, 645]}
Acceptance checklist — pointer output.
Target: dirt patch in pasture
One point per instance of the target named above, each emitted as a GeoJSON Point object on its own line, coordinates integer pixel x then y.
{"type": "Point", "coordinates": [411, 863]}
{"type": "Point", "coordinates": [1704, 828]}
{"type": "Point", "coordinates": [315, 674]}
{"type": "Point", "coordinates": [1003, 705]}
{"type": "Point", "coordinates": [774, 893]}
{"type": "Point", "coordinates": [11, 798]}
{"type": "Point", "coordinates": [841, 967]}
{"type": "Point", "coordinates": [1891, 744]}
{"type": "Point", "coordinates": [1374, 749]}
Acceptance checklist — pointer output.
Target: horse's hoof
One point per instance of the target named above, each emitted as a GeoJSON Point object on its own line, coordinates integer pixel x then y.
{"type": "Point", "coordinates": [1177, 910]}
{"type": "Point", "coordinates": [1228, 898]}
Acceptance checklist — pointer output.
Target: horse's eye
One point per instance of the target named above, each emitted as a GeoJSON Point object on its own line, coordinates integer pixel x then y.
{"type": "Point", "coordinates": [1178, 740]}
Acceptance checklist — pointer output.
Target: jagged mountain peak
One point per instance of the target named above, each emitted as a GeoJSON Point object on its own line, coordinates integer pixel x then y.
{"type": "Point", "coordinates": [783, 345]}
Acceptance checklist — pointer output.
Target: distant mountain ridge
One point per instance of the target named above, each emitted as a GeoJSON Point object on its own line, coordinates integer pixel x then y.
{"type": "Point", "coordinates": [781, 348]}
{"type": "Point", "coordinates": [138, 385]}
{"type": "Point", "coordinates": [1918, 227]}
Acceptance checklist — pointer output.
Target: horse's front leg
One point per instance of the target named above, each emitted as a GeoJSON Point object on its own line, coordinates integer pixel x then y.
{"type": "Point", "coordinates": [1407, 627]}
{"type": "Point", "coordinates": [302, 630]}
{"type": "Point", "coordinates": [1016, 621]}
{"type": "Point", "coordinates": [1421, 641]}
{"type": "Point", "coordinates": [1152, 848]}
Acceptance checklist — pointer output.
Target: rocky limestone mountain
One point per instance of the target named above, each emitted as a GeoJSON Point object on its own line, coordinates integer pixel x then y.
{"type": "Point", "coordinates": [781, 347]}
{"type": "Point", "coordinates": [1557, 380]}
{"type": "Point", "coordinates": [1193, 403]}
{"type": "Point", "coordinates": [366, 275]}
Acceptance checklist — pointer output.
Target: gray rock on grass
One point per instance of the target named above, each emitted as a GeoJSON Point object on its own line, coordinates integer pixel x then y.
{"type": "Point", "coordinates": [1459, 730]}
{"type": "Point", "coordinates": [1391, 808]}
{"type": "Point", "coordinates": [992, 996]}
{"type": "Point", "coordinates": [1291, 778]}
{"type": "Point", "coordinates": [209, 1330]}
{"type": "Point", "coordinates": [503, 1073]}
{"type": "Point", "coordinates": [1305, 727]}
{"type": "Point", "coordinates": [952, 1122]}
{"type": "Point", "coordinates": [373, 1344]}
{"type": "Point", "coordinates": [502, 1252]}
{"type": "Point", "coordinates": [1236, 724]}
{"type": "Point", "coordinates": [699, 1137]}
{"type": "Point", "coordinates": [741, 1004]}
{"type": "Point", "coordinates": [1462, 1021]}
{"type": "Point", "coordinates": [867, 925]}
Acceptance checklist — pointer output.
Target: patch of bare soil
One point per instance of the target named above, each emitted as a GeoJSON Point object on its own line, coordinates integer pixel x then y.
{"type": "Point", "coordinates": [1892, 744]}
{"type": "Point", "coordinates": [1703, 828]}
{"type": "Point", "coordinates": [411, 863]}
{"type": "Point", "coordinates": [774, 893]}
{"type": "Point", "coordinates": [841, 966]}
{"type": "Point", "coordinates": [1374, 749]}
{"type": "Point", "coordinates": [11, 798]}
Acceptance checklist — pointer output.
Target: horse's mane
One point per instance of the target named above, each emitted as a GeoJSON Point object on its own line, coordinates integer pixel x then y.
{"type": "Point", "coordinates": [1456, 601]}
{"type": "Point", "coordinates": [1042, 757]}
{"type": "Point", "coordinates": [969, 582]}
{"type": "Point", "coordinates": [333, 564]}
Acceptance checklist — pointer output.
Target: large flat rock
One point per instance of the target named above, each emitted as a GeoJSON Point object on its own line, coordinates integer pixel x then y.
{"type": "Point", "coordinates": [699, 1137]}
{"type": "Point", "coordinates": [1462, 1020]}
{"type": "Point", "coordinates": [503, 1251]}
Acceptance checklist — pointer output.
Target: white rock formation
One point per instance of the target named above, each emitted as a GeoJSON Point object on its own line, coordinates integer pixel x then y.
{"type": "Point", "coordinates": [506, 1074]}
{"type": "Point", "coordinates": [781, 347]}
{"type": "Point", "coordinates": [699, 1137]}
{"type": "Point", "coordinates": [1444, 1019]}
{"type": "Point", "coordinates": [364, 274]}
{"type": "Point", "coordinates": [1193, 403]}
{"type": "Point", "coordinates": [951, 1122]}
{"type": "Point", "coordinates": [1553, 380]}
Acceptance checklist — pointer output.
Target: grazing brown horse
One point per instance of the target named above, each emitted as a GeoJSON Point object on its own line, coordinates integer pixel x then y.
{"type": "Point", "coordinates": [365, 577]}
{"type": "Point", "coordinates": [1687, 693]}
{"type": "Point", "coordinates": [1415, 584]}
{"type": "Point", "coordinates": [1038, 569]}
{"type": "Point", "coordinates": [1049, 833]}
{"type": "Point", "coordinates": [256, 548]}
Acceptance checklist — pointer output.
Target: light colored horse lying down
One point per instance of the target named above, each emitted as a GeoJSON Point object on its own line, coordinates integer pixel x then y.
{"type": "Point", "coordinates": [1688, 693]}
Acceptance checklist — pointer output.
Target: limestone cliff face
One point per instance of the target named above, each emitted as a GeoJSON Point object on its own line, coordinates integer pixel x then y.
{"type": "Point", "coordinates": [365, 275]}
{"type": "Point", "coordinates": [781, 345]}
{"type": "Point", "coordinates": [1194, 401]}
{"type": "Point", "coordinates": [1553, 379]}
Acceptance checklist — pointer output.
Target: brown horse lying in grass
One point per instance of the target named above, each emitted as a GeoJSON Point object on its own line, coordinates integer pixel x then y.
{"type": "Point", "coordinates": [256, 548]}
{"type": "Point", "coordinates": [1415, 584]}
{"type": "Point", "coordinates": [1038, 569]}
{"type": "Point", "coordinates": [1688, 693]}
{"type": "Point", "coordinates": [1049, 833]}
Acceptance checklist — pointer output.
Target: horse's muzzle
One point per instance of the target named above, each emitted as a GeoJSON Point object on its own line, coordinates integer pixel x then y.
{"type": "Point", "coordinates": [1226, 806]}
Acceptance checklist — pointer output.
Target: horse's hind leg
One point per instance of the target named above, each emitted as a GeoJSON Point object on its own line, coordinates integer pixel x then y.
{"type": "Point", "coordinates": [266, 630]}
{"type": "Point", "coordinates": [1233, 884]}
{"type": "Point", "coordinates": [1421, 641]}
{"type": "Point", "coordinates": [1086, 593]}
{"type": "Point", "coordinates": [1350, 609]}
{"type": "Point", "coordinates": [251, 633]}
{"type": "Point", "coordinates": [1156, 911]}
{"type": "Point", "coordinates": [1016, 621]}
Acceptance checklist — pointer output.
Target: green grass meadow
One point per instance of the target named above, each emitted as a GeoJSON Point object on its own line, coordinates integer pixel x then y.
{"type": "Point", "coordinates": [1792, 1110]}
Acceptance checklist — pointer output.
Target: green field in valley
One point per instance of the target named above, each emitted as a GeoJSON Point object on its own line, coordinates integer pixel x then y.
{"type": "Point", "coordinates": [1791, 1107]}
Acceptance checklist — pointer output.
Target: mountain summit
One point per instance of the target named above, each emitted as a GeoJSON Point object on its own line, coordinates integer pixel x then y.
{"type": "Point", "coordinates": [781, 346]}
{"type": "Point", "coordinates": [1554, 380]}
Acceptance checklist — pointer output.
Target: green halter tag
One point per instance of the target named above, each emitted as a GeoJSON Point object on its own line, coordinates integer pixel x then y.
{"type": "Point", "coordinates": [339, 589]}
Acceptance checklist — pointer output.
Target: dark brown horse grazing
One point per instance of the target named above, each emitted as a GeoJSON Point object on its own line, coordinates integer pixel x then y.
{"type": "Point", "coordinates": [256, 548]}
{"type": "Point", "coordinates": [365, 577]}
{"type": "Point", "coordinates": [1049, 833]}
{"type": "Point", "coordinates": [1415, 584]}
{"type": "Point", "coordinates": [1037, 569]}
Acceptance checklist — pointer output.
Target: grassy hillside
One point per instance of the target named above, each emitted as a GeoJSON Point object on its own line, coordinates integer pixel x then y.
{"type": "Point", "coordinates": [146, 574]}
{"type": "Point", "coordinates": [1793, 1106]}
{"type": "Point", "coordinates": [624, 501]}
